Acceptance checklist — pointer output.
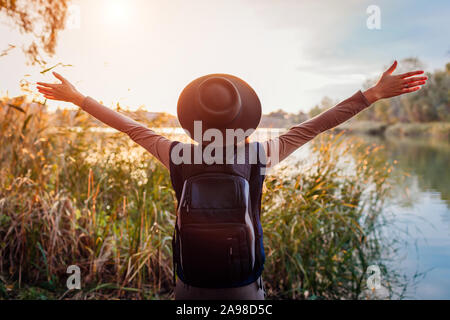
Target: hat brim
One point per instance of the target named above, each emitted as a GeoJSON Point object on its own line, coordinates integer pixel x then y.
{"type": "Point", "coordinates": [248, 118]}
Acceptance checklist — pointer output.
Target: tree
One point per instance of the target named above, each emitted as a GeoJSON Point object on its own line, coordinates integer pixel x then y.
{"type": "Point", "coordinates": [299, 117]}
{"type": "Point", "coordinates": [43, 19]}
{"type": "Point", "coordinates": [325, 104]}
{"type": "Point", "coordinates": [431, 103]}
{"type": "Point", "coordinates": [279, 114]}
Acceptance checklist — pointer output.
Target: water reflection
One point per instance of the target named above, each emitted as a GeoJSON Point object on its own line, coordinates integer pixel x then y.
{"type": "Point", "coordinates": [427, 160]}
{"type": "Point", "coordinates": [421, 204]}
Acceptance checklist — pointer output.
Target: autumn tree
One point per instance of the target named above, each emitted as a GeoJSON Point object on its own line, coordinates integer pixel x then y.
{"type": "Point", "coordinates": [325, 104]}
{"type": "Point", "coordinates": [431, 103]}
{"type": "Point", "coordinates": [42, 19]}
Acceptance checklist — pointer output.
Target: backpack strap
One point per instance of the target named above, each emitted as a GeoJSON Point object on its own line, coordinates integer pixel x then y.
{"type": "Point", "coordinates": [238, 166]}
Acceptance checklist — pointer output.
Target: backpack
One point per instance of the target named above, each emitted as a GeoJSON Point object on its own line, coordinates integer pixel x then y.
{"type": "Point", "coordinates": [217, 240]}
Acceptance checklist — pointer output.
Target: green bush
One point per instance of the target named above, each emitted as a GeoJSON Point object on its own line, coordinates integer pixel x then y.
{"type": "Point", "coordinates": [439, 130]}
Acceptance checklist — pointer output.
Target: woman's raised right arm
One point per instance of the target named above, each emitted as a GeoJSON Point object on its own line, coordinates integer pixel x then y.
{"type": "Point", "coordinates": [156, 144]}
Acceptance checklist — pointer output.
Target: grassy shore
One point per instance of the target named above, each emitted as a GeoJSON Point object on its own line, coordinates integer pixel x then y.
{"type": "Point", "coordinates": [426, 130]}
{"type": "Point", "coordinates": [101, 202]}
{"type": "Point", "coordinates": [437, 130]}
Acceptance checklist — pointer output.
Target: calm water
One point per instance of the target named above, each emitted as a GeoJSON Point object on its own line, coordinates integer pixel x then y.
{"type": "Point", "coordinates": [421, 205]}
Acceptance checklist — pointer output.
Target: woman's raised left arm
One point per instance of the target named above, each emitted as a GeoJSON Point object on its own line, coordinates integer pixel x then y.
{"type": "Point", "coordinates": [388, 86]}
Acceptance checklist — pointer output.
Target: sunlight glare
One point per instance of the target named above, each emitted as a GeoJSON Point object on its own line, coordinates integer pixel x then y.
{"type": "Point", "coordinates": [117, 11]}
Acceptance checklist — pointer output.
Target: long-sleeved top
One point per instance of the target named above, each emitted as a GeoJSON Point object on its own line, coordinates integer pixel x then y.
{"type": "Point", "coordinates": [283, 145]}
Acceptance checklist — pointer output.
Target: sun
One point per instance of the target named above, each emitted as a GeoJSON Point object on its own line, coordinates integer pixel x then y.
{"type": "Point", "coordinates": [117, 10]}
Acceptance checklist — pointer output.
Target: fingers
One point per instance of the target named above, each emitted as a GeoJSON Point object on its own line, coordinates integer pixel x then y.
{"type": "Point", "coordinates": [53, 91]}
{"type": "Point", "coordinates": [45, 88]}
{"type": "Point", "coordinates": [391, 68]}
{"type": "Point", "coordinates": [414, 84]}
{"type": "Point", "coordinates": [60, 77]}
{"type": "Point", "coordinates": [48, 93]}
{"type": "Point", "coordinates": [410, 74]}
{"type": "Point", "coordinates": [408, 90]}
{"type": "Point", "coordinates": [49, 85]}
{"type": "Point", "coordinates": [415, 79]}
{"type": "Point", "coordinates": [45, 91]}
{"type": "Point", "coordinates": [54, 85]}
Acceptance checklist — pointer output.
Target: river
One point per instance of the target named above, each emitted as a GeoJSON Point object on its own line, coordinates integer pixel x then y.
{"type": "Point", "coordinates": [421, 205]}
{"type": "Point", "coordinates": [420, 209]}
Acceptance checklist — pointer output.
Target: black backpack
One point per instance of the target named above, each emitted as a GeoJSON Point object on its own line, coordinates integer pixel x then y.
{"type": "Point", "coordinates": [218, 236]}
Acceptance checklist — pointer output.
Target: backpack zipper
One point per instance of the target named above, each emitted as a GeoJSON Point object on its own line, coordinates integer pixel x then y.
{"type": "Point", "coordinates": [186, 201]}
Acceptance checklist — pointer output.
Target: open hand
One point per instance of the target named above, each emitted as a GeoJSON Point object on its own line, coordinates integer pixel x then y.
{"type": "Point", "coordinates": [64, 91]}
{"type": "Point", "coordinates": [394, 85]}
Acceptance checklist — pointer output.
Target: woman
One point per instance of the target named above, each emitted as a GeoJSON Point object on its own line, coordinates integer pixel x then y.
{"type": "Point", "coordinates": [222, 102]}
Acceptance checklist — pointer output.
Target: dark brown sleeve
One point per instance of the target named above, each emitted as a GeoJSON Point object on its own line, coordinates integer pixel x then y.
{"type": "Point", "coordinates": [154, 143]}
{"type": "Point", "coordinates": [298, 135]}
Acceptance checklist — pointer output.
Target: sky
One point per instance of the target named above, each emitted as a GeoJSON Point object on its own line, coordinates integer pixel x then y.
{"type": "Point", "coordinates": [292, 52]}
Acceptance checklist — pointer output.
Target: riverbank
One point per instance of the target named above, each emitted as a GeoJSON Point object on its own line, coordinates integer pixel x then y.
{"type": "Point", "coordinates": [106, 206]}
{"type": "Point", "coordinates": [435, 130]}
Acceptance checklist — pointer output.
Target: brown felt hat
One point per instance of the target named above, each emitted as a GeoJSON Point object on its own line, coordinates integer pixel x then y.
{"type": "Point", "coordinates": [220, 101]}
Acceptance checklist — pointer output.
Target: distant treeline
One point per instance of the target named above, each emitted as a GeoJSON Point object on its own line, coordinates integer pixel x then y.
{"type": "Point", "coordinates": [430, 104]}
